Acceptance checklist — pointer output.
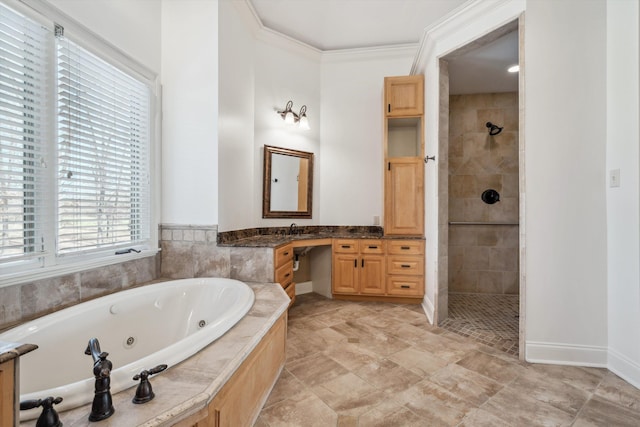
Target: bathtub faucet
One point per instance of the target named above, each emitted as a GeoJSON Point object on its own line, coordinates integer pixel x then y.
{"type": "Point", "coordinates": [102, 406]}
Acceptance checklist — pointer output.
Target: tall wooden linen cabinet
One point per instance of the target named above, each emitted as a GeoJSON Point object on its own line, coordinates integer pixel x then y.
{"type": "Point", "coordinates": [403, 156]}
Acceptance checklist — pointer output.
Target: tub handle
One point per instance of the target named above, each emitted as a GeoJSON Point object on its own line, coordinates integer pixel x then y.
{"type": "Point", "coordinates": [49, 416]}
{"type": "Point", "coordinates": [144, 392]}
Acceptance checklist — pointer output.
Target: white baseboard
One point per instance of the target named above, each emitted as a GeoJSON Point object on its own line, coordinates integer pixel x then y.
{"type": "Point", "coordinates": [624, 367]}
{"type": "Point", "coordinates": [304, 288]}
{"type": "Point", "coordinates": [427, 307]}
{"type": "Point", "coordinates": [566, 354]}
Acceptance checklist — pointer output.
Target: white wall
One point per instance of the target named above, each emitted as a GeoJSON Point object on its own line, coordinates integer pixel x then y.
{"type": "Point", "coordinates": [352, 153]}
{"type": "Point", "coordinates": [190, 112]}
{"type": "Point", "coordinates": [565, 135]}
{"type": "Point", "coordinates": [237, 167]}
{"type": "Point", "coordinates": [285, 71]}
{"type": "Point", "coordinates": [623, 213]}
{"type": "Point", "coordinates": [131, 26]}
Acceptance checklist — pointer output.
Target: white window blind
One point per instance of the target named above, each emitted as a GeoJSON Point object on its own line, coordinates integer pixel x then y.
{"type": "Point", "coordinates": [24, 134]}
{"type": "Point", "coordinates": [103, 154]}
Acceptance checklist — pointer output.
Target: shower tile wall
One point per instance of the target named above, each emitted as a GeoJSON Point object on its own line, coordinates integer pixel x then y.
{"type": "Point", "coordinates": [483, 258]}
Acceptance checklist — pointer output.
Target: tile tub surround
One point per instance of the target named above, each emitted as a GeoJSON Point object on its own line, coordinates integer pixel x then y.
{"type": "Point", "coordinates": [483, 259]}
{"type": "Point", "coordinates": [382, 364]}
{"type": "Point", "coordinates": [186, 388]}
{"type": "Point", "coordinates": [10, 351]}
{"type": "Point", "coordinates": [23, 302]}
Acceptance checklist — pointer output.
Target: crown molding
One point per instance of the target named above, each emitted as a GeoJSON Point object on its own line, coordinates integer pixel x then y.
{"type": "Point", "coordinates": [272, 37]}
{"type": "Point", "coordinates": [275, 38]}
{"type": "Point", "coordinates": [372, 53]}
{"type": "Point", "coordinates": [448, 33]}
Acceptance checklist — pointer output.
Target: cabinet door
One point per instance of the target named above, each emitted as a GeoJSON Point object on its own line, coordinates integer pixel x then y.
{"type": "Point", "coordinates": [372, 274]}
{"type": "Point", "coordinates": [345, 274]}
{"type": "Point", "coordinates": [404, 197]}
{"type": "Point", "coordinates": [404, 95]}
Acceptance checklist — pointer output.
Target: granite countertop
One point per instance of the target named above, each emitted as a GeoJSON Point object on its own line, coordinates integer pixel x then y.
{"type": "Point", "coordinates": [275, 236]}
{"type": "Point", "coordinates": [186, 388]}
{"type": "Point", "coordinates": [274, 240]}
{"type": "Point", "coordinates": [12, 350]}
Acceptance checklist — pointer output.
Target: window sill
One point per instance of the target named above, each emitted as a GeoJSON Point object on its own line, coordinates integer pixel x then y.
{"type": "Point", "coordinates": [70, 268]}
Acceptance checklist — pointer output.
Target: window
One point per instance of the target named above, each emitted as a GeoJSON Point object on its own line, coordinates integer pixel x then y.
{"type": "Point", "coordinates": [75, 134]}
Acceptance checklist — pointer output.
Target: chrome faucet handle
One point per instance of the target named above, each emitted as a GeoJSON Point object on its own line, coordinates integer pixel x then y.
{"type": "Point", "coordinates": [49, 417]}
{"type": "Point", "coordinates": [144, 392]}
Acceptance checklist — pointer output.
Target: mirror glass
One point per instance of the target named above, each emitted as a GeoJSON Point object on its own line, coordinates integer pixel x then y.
{"type": "Point", "coordinates": [288, 183]}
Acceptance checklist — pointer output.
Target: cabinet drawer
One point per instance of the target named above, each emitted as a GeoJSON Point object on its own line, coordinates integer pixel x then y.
{"type": "Point", "coordinates": [405, 247]}
{"type": "Point", "coordinates": [291, 292]}
{"type": "Point", "coordinates": [283, 255]}
{"type": "Point", "coordinates": [284, 275]}
{"type": "Point", "coordinates": [413, 265]}
{"type": "Point", "coordinates": [371, 246]}
{"type": "Point", "coordinates": [345, 246]}
{"type": "Point", "coordinates": [405, 285]}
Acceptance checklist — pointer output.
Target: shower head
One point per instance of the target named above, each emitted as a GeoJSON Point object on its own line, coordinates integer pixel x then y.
{"type": "Point", "coordinates": [493, 129]}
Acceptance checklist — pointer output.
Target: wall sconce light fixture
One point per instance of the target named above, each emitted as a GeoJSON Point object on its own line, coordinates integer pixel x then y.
{"type": "Point", "coordinates": [291, 118]}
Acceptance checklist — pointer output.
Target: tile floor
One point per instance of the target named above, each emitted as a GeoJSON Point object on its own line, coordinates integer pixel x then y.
{"type": "Point", "coordinates": [375, 364]}
{"type": "Point", "coordinates": [486, 318]}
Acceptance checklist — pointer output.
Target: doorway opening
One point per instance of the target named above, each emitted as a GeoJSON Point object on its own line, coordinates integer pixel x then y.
{"type": "Point", "coordinates": [480, 186]}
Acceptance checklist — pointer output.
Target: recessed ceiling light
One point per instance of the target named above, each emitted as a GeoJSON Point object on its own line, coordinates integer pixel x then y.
{"type": "Point", "coordinates": [514, 68]}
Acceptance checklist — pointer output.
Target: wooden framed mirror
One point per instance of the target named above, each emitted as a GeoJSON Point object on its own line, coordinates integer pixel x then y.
{"type": "Point", "coordinates": [287, 188]}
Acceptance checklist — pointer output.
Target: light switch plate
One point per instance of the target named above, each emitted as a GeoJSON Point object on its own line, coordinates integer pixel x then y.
{"type": "Point", "coordinates": [614, 178]}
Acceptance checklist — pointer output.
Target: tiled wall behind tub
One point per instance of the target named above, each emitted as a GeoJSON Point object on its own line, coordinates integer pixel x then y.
{"type": "Point", "coordinates": [29, 300]}
{"type": "Point", "coordinates": [191, 251]}
{"type": "Point", "coordinates": [483, 258]}
{"type": "Point", "coordinates": [187, 251]}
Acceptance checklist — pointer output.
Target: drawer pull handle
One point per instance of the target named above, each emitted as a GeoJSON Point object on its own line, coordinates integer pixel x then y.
{"type": "Point", "coordinates": [286, 253]}
{"type": "Point", "coordinates": [405, 286]}
{"type": "Point", "coordinates": [362, 262]}
{"type": "Point", "coordinates": [287, 275]}
{"type": "Point", "coordinates": [346, 246]}
{"type": "Point", "coordinates": [355, 263]}
{"type": "Point", "coordinates": [405, 266]}
{"type": "Point", "coordinates": [405, 248]}
{"type": "Point", "coordinates": [373, 247]}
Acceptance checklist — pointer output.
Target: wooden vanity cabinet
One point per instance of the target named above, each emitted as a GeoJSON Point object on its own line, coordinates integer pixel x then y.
{"type": "Point", "coordinates": [283, 269]}
{"type": "Point", "coordinates": [404, 95]}
{"type": "Point", "coordinates": [404, 156]}
{"type": "Point", "coordinates": [404, 197]}
{"type": "Point", "coordinates": [358, 267]}
{"type": "Point", "coordinates": [405, 268]}
{"type": "Point", "coordinates": [378, 270]}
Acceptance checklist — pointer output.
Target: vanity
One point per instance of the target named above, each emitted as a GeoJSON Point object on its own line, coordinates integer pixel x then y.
{"type": "Point", "coordinates": [365, 264]}
{"type": "Point", "coordinates": [368, 263]}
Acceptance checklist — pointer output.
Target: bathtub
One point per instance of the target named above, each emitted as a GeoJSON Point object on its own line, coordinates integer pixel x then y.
{"type": "Point", "coordinates": [140, 328]}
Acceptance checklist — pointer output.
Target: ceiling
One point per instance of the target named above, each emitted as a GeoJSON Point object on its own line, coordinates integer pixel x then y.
{"type": "Point", "coordinates": [346, 24]}
{"type": "Point", "coordinates": [349, 24]}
